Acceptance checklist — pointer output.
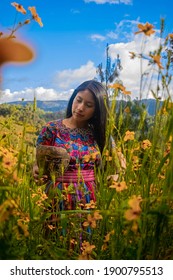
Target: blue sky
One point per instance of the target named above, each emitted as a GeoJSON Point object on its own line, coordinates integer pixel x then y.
{"type": "Point", "coordinates": [72, 42]}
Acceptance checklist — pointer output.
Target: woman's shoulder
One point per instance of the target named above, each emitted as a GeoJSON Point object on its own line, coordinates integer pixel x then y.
{"type": "Point", "coordinates": [54, 124]}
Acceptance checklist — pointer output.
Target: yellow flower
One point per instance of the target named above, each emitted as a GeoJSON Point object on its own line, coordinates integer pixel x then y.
{"type": "Point", "coordinates": [134, 226]}
{"type": "Point", "coordinates": [97, 215]}
{"type": "Point", "coordinates": [35, 15]}
{"type": "Point", "coordinates": [156, 60]}
{"type": "Point", "coordinates": [107, 236]}
{"type": "Point", "coordinates": [107, 155]}
{"type": "Point", "coordinates": [8, 159]}
{"type": "Point", "coordinates": [136, 164]}
{"type": "Point", "coordinates": [87, 158]}
{"type": "Point", "coordinates": [131, 214]}
{"type": "Point", "coordinates": [91, 220]}
{"type": "Point", "coordinates": [119, 186]}
{"type": "Point", "coordinates": [170, 36]}
{"type": "Point", "coordinates": [146, 28]}
{"type": "Point", "coordinates": [135, 210]}
{"type": "Point", "coordinates": [127, 110]}
{"type": "Point", "coordinates": [129, 135]}
{"type": "Point", "coordinates": [121, 88]}
{"type": "Point", "coordinates": [23, 227]}
{"type": "Point", "coordinates": [146, 144]}
{"type": "Point", "coordinates": [86, 249]}
{"type": "Point", "coordinates": [19, 7]}
{"type": "Point", "coordinates": [132, 55]}
{"type": "Point", "coordinates": [135, 201]}
{"type": "Point", "coordinates": [90, 205]}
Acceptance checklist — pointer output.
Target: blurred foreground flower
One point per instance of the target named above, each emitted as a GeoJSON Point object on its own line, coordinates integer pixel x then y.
{"type": "Point", "coordinates": [14, 51]}
{"type": "Point", "coordinates": [135, 210]}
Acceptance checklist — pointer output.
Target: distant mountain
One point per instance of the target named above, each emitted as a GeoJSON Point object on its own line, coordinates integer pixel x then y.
{"type": "Point", "coordinates": [61, 105]}
{"type": "Point", "coordinates": [150, 105]}
{"type": "Point", "coordinates": [48, 106]}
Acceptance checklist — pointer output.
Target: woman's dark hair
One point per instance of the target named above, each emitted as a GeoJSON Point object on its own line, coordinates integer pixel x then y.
{"type": "Point", "coordinates": [98, 121]}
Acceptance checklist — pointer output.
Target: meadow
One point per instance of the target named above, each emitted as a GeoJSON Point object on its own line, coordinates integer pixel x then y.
{"type": "Point", "coordinates": [133, 216]}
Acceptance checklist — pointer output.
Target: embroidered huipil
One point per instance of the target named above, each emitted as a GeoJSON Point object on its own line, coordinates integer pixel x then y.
{"type": "Point", "coordinates": [84, 156]}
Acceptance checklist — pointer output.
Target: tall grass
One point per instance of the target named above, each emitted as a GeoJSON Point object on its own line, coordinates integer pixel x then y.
{"type": "Point", "coordinates": [133, 216]}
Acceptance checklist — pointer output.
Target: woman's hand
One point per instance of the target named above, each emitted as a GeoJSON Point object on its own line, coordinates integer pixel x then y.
{"type": "Point", "coordinates": [39, 180]}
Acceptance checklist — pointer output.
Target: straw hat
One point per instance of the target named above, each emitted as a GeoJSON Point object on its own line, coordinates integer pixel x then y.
{"type": "Point", "coordinates": [52, 160]}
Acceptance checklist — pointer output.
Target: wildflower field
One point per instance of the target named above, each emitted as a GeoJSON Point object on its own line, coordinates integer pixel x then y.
{"type": "Point", "coordinates": [133, 216]}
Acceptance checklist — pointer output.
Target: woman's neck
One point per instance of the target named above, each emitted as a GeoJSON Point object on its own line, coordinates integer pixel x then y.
{"type": "Point", "coordinates": [72, 123]}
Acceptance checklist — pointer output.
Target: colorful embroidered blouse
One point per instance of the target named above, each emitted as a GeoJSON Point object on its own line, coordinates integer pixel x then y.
{"type": "Point", "coordinates": [84, 155]}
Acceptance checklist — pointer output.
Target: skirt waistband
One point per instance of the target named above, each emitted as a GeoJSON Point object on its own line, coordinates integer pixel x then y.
{"type": "Point", "coordinates": [77, 176]}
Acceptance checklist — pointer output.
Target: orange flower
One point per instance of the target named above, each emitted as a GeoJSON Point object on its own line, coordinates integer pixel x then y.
{"type": "Point", "coordinates": [134, 202]}
{"type": "Point", "coordinates": [119, 186]}
{"type": "Point", "coordinates": [19, 8]}
{"type": "Point", "coordinates": [117, 86]}
{"type": "Point", "coordinates": [132, 55]}
{"type": "Point", "coordinates": [127, 110]}
{"type": "Point", "coordinates": [156, 60]}
{"type": "Point", "coordinates": [90, 205]}
{"type": "Point", "coordinates": [146, 28]}
{"type": "Point", "coordinates": [97, 215]}
{"type": "Point", "coordinates": [107, 236]}
{"type": "Point", "coordinates": [135, 161]}
{"type": "Point", "coordinates": [170, 36]}
{"type": "Point", "coordinates": [86, 249]}
{"type": "Point", "coordinates": [120, 87]}
{"type": "Point", "coordinates": [91, 220]}
{"type": "Point", "coordinates": [146, 144]}
{"type": "Point", "coordinates": [107, 155]}
{"type": "Point", "coordinates": [35, 15]}
{"type": "Point", "coordinates": [129, 135]}
{"type": "Point", "coordinates": [134, 212]}
{"type": "Point", "coordinates": [131, 214]}
{"type": "Point", "coordinates": [90, 157]}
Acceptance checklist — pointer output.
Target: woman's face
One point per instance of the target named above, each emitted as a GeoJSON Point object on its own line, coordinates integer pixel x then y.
{"type": "Point", "coordinates": [83, 106]}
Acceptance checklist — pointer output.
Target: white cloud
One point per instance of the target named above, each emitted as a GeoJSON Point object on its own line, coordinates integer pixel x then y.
{"type": "Point", "coordinates": [127, 2]}
{"type": "Point", "coordinates": [98, 37]}
{"type": "Point", "coordinates": [28, 94]}
{"type": "Point", "coordinates": [131, 72]}
{"type": "Point", "coordinates": [65, 82]}
{"type": "Point", "coordinates": [123, 32]}
{"type": "Point", "coordinates": [73, 77]}
{"type": "Point", "coordinates": [73, 11]}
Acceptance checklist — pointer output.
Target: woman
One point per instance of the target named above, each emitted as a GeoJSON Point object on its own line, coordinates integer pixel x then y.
{"type": "Point", "coordinates": [82, 135]}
